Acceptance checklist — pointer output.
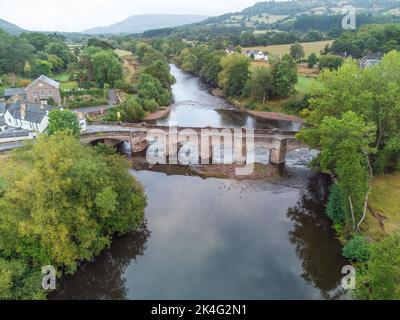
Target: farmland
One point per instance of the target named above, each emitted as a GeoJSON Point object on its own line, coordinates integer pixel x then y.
{"type": "Point", "coordinates": [309, 47]}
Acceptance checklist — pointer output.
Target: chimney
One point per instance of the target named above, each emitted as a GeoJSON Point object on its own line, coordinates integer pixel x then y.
{"type": "Point", "coordinates": [23, 110]}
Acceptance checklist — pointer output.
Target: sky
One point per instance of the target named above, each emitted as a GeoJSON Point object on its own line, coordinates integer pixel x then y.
{"type": "Point", "coordinates": [79, 15]}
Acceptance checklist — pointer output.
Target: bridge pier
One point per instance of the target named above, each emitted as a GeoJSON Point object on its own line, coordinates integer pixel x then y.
{"type": "Point", "coordinates": [277, 153]}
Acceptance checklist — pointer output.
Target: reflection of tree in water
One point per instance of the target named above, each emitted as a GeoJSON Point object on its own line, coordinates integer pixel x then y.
{"type": "Point", "coordinates": [103, 278]}
{"type": "Point", "coordinates": [312, 234]}
{"type": "Point", "coordinates": [231, 118]}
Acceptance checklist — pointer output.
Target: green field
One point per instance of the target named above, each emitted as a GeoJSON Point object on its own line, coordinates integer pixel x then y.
{"type": "Point", "coordinates": [384, 216]}
{"type": "Point", "coordinates": [309, 47]}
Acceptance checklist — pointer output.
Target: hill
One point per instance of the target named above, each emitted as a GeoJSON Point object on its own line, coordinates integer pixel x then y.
{"type": "Point", "coordinates": [144, 22]}
{"type": "Point", "coordinates": [295, 14]}
{"type": "Point", "coordinates": [10, 27]}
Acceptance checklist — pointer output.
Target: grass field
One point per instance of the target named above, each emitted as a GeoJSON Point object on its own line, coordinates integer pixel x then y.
{"type": "Point", "coordinates": [69, 85]}
{"type": "Point", "coordinates": [302, 70]}
{"type": "Point", "coordinates": [384, 215]}
{"type": "Point", "coordinates": [309, 47]}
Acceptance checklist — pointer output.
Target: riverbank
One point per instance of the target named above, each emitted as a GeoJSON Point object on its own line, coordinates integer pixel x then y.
{"type": "Point", "coordinates": [158, 115]}
{"type": "Point", "coordinates": [263, 115]}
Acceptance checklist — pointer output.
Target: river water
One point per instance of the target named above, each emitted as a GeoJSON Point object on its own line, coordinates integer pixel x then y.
{"type": "Point", "coordinates": [220, 239]}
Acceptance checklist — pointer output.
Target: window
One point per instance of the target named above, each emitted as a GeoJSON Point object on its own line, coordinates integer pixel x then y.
{"type": "Point", "coordinates": [50, 93]}
{"type": "Point", "coordinates": [42, 93]}
{"type": "Point", "coordinates": [35, 94]}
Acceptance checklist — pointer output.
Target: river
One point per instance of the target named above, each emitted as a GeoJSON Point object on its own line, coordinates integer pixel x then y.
{"type": "Point", "coordinates": [220, 239]}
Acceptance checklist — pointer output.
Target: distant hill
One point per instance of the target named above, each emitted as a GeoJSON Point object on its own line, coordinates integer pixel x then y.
{"type": "Point", "coordinates": [274, 14]}
{"type": "Point", "coordinates": [10, 28]}
{"type": "Point", "coordinates": [145, 22]}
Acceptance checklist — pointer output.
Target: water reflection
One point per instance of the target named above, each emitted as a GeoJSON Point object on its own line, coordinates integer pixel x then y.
{"type": "Point", "coordinates": [103, 279]}
{"type": "Point", "coordinates": [194, 106]}
{"type": "Point", "coordinates": [313, 237]}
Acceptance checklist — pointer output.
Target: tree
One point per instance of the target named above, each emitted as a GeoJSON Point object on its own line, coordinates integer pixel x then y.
{"type": "Point", "coordinates": [330, 62]}
{"type": "Point", "coordinates": [234, 74]}
{"type": "Point", "coordinates": [61, 120]}
{"type": "Point", "coordinates": [14, 52]}
{"type": "Point", "coordinates": [312, 60]}
{"type": "Point", "coordinates": [160, 70]}
{"type": "Point", "coordinates": [59, 49]}
{"type": "Point", "coordinates": [261, 84]}
{"type": "Point", "coordinates": [344, 146]}
{"type": "Point", "coordinates": [61, 204]}
{"type": "Point", "coordinates": [380, 279]}
{"type": "Point", "coordinates": [40, 67]}
{"type": "Point", "coordinates": [297, 51]}
{"type": "Point", "coordinates": [284, 74]}
{"type": "Point", "coordinates": [37, 39]}
{"type": "Point", "coordinates": [106, 67]}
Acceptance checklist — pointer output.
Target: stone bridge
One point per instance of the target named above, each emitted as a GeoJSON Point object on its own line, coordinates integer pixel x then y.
{"type": "Point", "coordinates": [141, 136]}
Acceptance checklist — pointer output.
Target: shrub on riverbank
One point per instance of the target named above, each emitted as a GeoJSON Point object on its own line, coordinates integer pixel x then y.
{"type": "Point", "coordinates": [60, 203]}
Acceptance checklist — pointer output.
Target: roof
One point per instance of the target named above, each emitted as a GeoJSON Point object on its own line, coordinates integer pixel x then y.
{"type": "Point", "coordinates": [2, 121]}
{"type": "Point", "coordinates": [15, 133]}
{"type": "Point", "coordinates": [373, 56]}
{"type": "Point", "coordinates": [34, 112]}
{"type": "Point", "coordinates": [43, 78]}
{"type": "Point", "coordinates": [10, 92]}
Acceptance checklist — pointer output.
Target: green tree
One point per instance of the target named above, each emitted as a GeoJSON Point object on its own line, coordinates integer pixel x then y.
{"type": "Point", "coordinates": [234, 74]}
{"type": "Point", "coordinates": [60, 120]}
{"type": "Point", "coordinates": [297, 51]}
{"type": "Point", "coordinates": [312, 60]}
{"type": "Point", "coordinates": [330, 62]}
{"type": "Point", "coordinates": [357, 249]}
{"type": "Point", "coordinates": [40, 67]}
{"type": "Point", "coordinates": [106, 67]}
{"type": "Point", "coordinates": [345, 148]}
{"type": "Point", "coordinates": [14, 52]}
{"type": "Point", "coordinates": [61, 204]}
{"type": "Point", "coordinates": [59, 49]}
{"type": "Point", "coordinates": [284, 74]}
{"type": "Point", "coordinates": [37, 39]}
{"type": "Point", "coordinates": [380, 279]}
{"type": "Point", "coordinates": [261, 84]}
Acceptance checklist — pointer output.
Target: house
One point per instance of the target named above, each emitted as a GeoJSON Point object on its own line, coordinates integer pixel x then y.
{"type": "Point", "coordinates": [28, 116]}
{"type": "Point", "coordinates": [40, 90]}
{"type": "Point", "coordinates": [257, 55]}
{"type": "Point", "coordinates": [3, 123]}
{"type": "Point", "coordinates": [370, 59]}
{"type": "Point", "coordinates": [230, 50]}
{"type": "Point", "coordinates": [13, 94]}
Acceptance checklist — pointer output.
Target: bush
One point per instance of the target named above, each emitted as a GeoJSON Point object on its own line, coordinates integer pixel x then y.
{"type": "Point", "coordinates": [297, 103]}
{"type": "Point", "coordinates": [334, 208]}
{"type": "Point", "coordinates": [357, 249]}
{"type": "Point", "coordinates": [150, 105]}
{"type": "Point", "coordinates": [132, 110]}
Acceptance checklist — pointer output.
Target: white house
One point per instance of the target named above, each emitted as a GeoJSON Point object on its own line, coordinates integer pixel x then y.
{"type": "Point", "coordinates": [258, 55]}
{"type": "Point", "coordinates": [3, 123]}
{"type": "Point", "coordinates": [29, 116]}
{"type": "Point", "coordinates": [34, 117]}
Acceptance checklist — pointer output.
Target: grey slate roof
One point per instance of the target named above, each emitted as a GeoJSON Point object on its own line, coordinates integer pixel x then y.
{"type": "Point", "coordinates": [373, 56]}
{"type": "Point", "coordinates": [14, 133]}
{"type": "Point", "coordinates": [34, 112]}
{"type": "Point", "coordinates": [43, 78]}
{"type": "Point", "coordinates": [10, 92]}
{"type": "Point", "coordinates": [2, 121]}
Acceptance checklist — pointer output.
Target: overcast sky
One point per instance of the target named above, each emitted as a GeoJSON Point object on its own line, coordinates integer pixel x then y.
{"type": "Point", "coordinates": [78, 15]}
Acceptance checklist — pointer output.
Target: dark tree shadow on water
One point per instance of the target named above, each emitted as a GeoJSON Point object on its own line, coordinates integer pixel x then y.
{"type": "Point", "coordinates": [314, 239]}
{"type": "Point", "coordinates": [103, 279]}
